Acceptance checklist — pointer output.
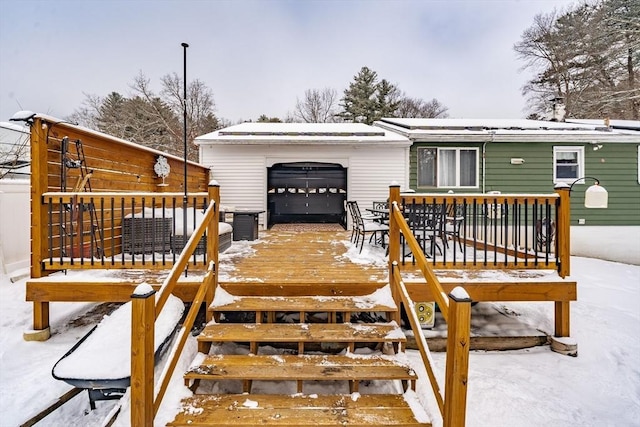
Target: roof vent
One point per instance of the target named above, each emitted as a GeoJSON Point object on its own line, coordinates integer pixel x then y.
{"type": "Point", "coordinates": [559, 110]}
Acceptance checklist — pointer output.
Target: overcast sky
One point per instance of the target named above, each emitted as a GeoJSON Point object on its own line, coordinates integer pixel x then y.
{"type": "Point", "coordinates": [259, 56]}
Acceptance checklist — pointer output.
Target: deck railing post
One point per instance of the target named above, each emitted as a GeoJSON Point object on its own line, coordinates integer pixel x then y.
{"type": "Point", "coordinates": [563, 230]}
{"type": "Point", "coordinates": [457, 366]}
{"type": "Point", "coordinates": [213, 243]}
{"type": "Point", "coordinates": [143, 315]}
{"type": "Point", "coordinates": [39, 185]}
{"type": "Point", "coordinates": [394, 246]}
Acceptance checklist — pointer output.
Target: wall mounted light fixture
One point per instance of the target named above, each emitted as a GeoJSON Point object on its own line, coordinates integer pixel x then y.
{"type": "Point", "coordinates": [595, 197]}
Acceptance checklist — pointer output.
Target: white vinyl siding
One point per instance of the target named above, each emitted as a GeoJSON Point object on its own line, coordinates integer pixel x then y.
{"type": "Point", "coordinates": [241, 170]}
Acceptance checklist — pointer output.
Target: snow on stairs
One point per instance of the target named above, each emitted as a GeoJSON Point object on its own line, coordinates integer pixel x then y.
{"type": "Point", "coordinates": [340, 364]}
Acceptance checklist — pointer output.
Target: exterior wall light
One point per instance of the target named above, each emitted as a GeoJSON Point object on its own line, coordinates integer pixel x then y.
{"type": "Point", "coordinates": [517, 161]}
{"type": "Point", "coordinates": [595, 197]}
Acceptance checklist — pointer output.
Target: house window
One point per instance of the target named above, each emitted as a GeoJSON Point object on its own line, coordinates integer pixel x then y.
{"type": "Point", "coordinates": [568, 164]}
{"type": "Point", "coordinates": [447, 167]}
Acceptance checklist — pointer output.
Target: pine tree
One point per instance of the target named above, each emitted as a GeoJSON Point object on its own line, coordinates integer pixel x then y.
{"type": "Point", "coordinates": [359, 101]}
{"type": "Point", "coordinates": [388, 100]}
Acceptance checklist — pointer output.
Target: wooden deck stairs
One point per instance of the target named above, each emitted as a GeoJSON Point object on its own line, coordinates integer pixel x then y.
{"type": "Point", "coordinates": [324, 344]}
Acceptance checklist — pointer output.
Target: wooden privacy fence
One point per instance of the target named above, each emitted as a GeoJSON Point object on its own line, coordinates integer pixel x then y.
{"type": "Point", "coordinates": [85, 183]}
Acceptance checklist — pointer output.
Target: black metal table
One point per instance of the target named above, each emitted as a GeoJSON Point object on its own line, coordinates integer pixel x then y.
{"type": "Point", "coordinates": [245, 224]}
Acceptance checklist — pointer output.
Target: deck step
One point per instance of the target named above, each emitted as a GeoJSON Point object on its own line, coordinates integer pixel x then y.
{"type": "Point", "coordinates": [303, 332]}
{"type": "Point", "coordinates": [301, 368]}
{"type": "Point", "coordinates": [308, 304]}
{"type": "Point", "coordinates": [296, 410]}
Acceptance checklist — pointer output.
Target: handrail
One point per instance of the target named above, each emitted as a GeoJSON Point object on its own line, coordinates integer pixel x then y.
{"type": "Point", "coordinates": [423, 348]}
{"type": "Point", "coordinates": [421, 260]}
{"type": "Point", "coordinates": [144, 406]}
{"type": "Point", "coordinates": [67, 196]}
{"type": "Point", "coordinates": [176, 351]}
{"type": "Point", "coordinates": [456, 309]}
{"type": "Point", "coordinates": [170, 281]}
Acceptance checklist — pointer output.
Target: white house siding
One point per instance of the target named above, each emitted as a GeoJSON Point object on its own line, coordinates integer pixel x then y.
{"type": "Point", "coordinates": [241, 170]}
{"type": "Point", "coordinates": [14, 225]}
{"type": "Point", "coordinates": [373, 170]}
{"type": "Point", "coordinates": [241, 174]}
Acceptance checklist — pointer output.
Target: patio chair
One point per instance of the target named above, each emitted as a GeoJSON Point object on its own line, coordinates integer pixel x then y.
{"type": "Point", "coordinates": [453, 223]}
{"type": "Point", "coordinates": [426, 222]}
{"type": "Point", "coordinates": [362, 226]}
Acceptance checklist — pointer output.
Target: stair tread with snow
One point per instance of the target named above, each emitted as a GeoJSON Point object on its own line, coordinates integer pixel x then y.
{"type": "Point", "coordinates": [298, 410]}
{"type": "Point", "coordinates": [302, 303]}
{"type": "Point", "coordinates": [303, 332]}
{"type": "Point", "coordinates": [306, 367]}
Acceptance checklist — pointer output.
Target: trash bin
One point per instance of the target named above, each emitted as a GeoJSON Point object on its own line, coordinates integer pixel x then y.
{"type": "Point", "coordinates": [245, 224]}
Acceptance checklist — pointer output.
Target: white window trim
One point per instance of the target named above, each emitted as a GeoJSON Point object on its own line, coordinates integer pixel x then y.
{"type": "Point", "coordinates": [419, 165]}
{"type": "Point", "coordinates": [457, 149]}
{"type": "Point", "coordinates": [564, 149]}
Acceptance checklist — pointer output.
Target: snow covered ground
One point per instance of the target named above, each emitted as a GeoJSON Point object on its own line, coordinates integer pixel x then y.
{"type": "Point", "coordinates": [533, 387]}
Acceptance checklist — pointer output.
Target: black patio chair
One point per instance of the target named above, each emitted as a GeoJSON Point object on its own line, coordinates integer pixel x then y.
{"type": "Point", "coordinates": [427, 224]}
{"type": "Point", "coordinates": [362, 226]}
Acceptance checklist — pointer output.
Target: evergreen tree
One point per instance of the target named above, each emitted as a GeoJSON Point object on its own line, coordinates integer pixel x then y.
{"type": "Point", "coordinates": [388, 99]}
{"type": "Point", "coordinates": [359, 103]}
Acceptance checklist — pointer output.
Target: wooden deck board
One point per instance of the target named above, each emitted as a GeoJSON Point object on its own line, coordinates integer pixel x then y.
{"type": "Point", "coordinates": [304, 367]}
{"type": "Point", "coordinates": [298, 257]}
{"type": "Point", "coordinates": [301, 303]}
{"type": "Point", "coordinates": [296, 410]}
{"type": "Point", "coordinates": [302, 332]}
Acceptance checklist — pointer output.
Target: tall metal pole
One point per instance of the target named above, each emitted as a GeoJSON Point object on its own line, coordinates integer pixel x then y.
{"type": "Point", "coordinates": [184, 121]}
{"type": "Point", "coordinates": [184, 137]}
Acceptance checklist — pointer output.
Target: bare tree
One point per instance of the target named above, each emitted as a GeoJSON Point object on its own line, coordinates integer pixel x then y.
{"type": "Point", "coordinates": [150, 119]}
{"type": "Point", "coordinates": [588, 56]}
{"type": "Point", "coordinates": [418, 108]}
{"type": "Point", "coordinates": [318, 106]}
{"type": "Point", "coordinates": [14, 150]}
{"type": "Point", "coordinates": [87, 114]}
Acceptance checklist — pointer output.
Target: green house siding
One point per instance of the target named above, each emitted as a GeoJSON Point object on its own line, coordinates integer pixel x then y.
{"type": "Point", "coordinates": [615, 165]}
{"type": "Point", "coordinates": [535, 175]}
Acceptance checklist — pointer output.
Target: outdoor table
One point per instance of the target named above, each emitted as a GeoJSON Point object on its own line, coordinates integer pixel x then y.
{"type": "Point", "coordinates": [381, 215]}
{"type": "Point", "coordinates": [245, 224]}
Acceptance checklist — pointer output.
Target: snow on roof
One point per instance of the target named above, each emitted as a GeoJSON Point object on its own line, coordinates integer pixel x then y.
{"type": "Point", "coordinates": [15, 126]}
{"type": "Point", "coordinates": [504, 130]}
{"type": "Point", "coordinates": [296, 133]}
{"type": "Point", "coordinates": [487, 124]}
{"type": "Point", "coordinates": [632, 125]}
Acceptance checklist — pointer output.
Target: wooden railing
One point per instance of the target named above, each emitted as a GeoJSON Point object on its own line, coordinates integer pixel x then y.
{"type": "Point", "coordinates": [119, 230]}
{"type": "Point", "coordinates": [147, 308]}
{"type": "Point", "coordinates": [489, 231]}
{"type": "Point", "coordinates": [455, 308]}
